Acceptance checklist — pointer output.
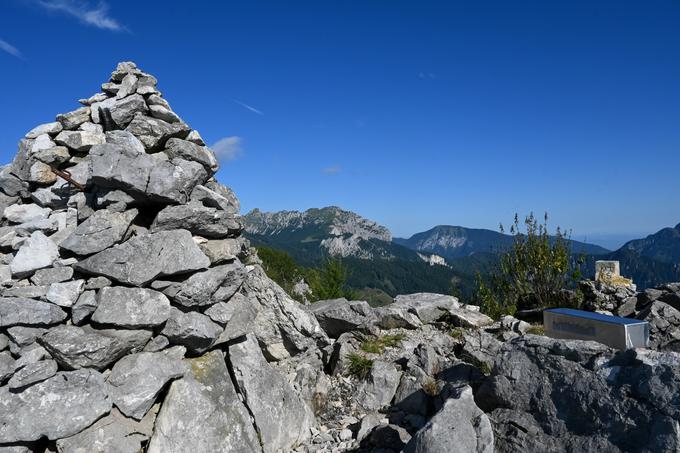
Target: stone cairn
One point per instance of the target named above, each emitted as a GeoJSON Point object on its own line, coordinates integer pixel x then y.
{"type": "Point", "coordinates": [128, 320]}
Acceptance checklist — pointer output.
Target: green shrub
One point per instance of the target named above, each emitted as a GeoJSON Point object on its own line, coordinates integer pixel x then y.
{"type": "Point", "coordinates": [377, 345]}
{"type": "Point", "coordinates": [329, 281]}
{"type": "Point", "coordinates": [482, 366]}
{"type": "Point", "coordinates": [536, 330]}
{"type": "Point", "coordinates": [359, 365]}
{"type": "Point", "coordinates": [533, 274]}
{"type": "Point", "coordinates": [457, 333]}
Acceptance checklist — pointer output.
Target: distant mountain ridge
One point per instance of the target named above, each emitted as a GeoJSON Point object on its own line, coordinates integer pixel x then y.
{"type": "Point", "coordinates": [376, 264]}
{"type": "Point", "coordinates": [453, 242]}
{"type": "Point", "coordinates": [440, 257]}
{"type": "Point", "coordinates": [335, 231]}
{"type": "Point", "coordinates": [664, 245]}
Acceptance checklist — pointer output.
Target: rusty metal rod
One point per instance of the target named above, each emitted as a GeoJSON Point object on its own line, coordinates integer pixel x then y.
{"type": "Point", "coordinates": [66, 175]}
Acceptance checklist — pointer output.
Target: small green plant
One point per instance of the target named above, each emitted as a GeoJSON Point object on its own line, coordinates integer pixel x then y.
{"type": "Point", "coordinates": [533, 273]}
{"type": "Point", "coordinates": [457, 333]}
{"type": "Point", "coordinates": [482, 366]}
{"type": "Point", "coordinates": [359, 365]}
{"type": "Point", "coordinates": [536, 330]}
{"type": "Point", "coordinates": [329, 281]}
{"type": "Point", "coordinates": [377, 345]}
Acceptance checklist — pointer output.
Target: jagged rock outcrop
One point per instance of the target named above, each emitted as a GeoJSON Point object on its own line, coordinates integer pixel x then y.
{"type": "Point", "coordinates": [563, 396]}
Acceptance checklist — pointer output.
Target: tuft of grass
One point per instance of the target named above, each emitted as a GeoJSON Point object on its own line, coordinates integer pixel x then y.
{"type": "Point", "coordinates": [536, 330]}
{"type": "Point", "coordinates": [359, 365]}
{"type": "Point", "coordinates": [457, 333]}
{"type": "Point", "coordinates": [377, 345]}
{"type": "Point", "coordinates": [485, 368]}
{"type": "Point", "coordinates": [430, 387]}
{"type": "Point", "coordinates": [482, 366]}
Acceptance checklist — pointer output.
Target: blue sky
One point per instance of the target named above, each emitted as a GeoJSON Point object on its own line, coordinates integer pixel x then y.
{"type": "Point", "coordinates": [411, 113]}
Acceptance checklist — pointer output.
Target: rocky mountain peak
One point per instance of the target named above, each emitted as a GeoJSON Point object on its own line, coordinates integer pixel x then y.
{"type": "Point", "coordinates": [335, 221]}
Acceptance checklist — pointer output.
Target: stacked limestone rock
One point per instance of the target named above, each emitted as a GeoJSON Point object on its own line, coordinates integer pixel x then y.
{"type": "Point", "coordinates": [124, 290]}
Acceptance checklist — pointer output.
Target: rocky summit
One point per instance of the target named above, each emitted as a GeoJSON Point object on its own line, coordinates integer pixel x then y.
{"type": "Point", "coordinates": [135, 317]}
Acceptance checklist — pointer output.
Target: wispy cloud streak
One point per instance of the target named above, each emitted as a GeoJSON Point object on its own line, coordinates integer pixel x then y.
{"type": "Point", "coordinates": [249, 107]}
{"type": "Point", "coordinates": [427, 75]}
{"type": "Point", "coordinates": [335, 169]}
{"type": "Point", "coordinates": [10, 49]}
{"type": "Point", "coordinates": [96, 16]}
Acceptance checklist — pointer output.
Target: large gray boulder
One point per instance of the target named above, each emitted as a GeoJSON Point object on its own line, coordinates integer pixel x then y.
{"type": "Point", "coordinates": [459, 427]}
{"type": "Point", "coordinates": [143, 175]}
{"type": "Point", "coordinates": [32, 373]}
{"type": "Point", "coordinates": [44, 277]}
{"type": "Point", "coordinates": [100, 231]}
{"type": "Point", "coordinates": [131, 307]}
{"type": "Point", "coordinates": [118, 111]}
{"type": "Point", "coordinates": [47, 128]}
{"type": "Point", "coordinates": [395, 316]}
{"type": "Point", "coordinates": [218, 196]}
{"type": "Point", "coordinates": [195, 331]}
{"type": "Point", "coordinates": [224, 250]}
{"type": "Point", "coordinates": [176, 147]}
{"type": "Point", "coordinates": [203, 412]}
{"type": "Point", "coordinates": [238, 314]}
{"type": "Point", "coordinates": [282, 418]}
{"type": "Point", "coordinates": [281, 324]}
{"type": "Point", "coordinates": [7, 366]}
{"type": "Point", "coordinates": [80, 141]}
{"type": "Point", "coordinates": [568, 395]}
{"type": "Point", "coordinates": [114, 433]}
{"type": "Point", "coordinates": [145, 258]}
{"type": "Point", "coordinates": [65, 294]}
{"type": "Point", "coordinates": [15, 311]}
{"type": "Point", "coordinates": [58, 407]}
{"type": "Point", "coordinates": [200, 220]}
{"type": "Point", "coordinates": [37, 252]}
{"type": "Point", "coordinates": [208, 287]}
{"type": "Point", "coordinates": [463, 317]}
{"type": "Point", "coordinates": [337, 316]}
{"type": "Point", "coordinates": [154, 132]}
{"type": "Point", "coordinates": [379, 387]}
{"type": "Point", "coordinates": [22, 213]}
{"type": "Point", "coordinates": [137, 379]}
{"type": "Point", "coordinates": [664, 326]}
{"type": "Point", "coordinates": [72, 120]}
{"type": "Point", "coordinates": [125, 139]}
{"type": "Point", "coordinates": [428, 307]}
{"type": "Point", "coordinates": [77, 347]}
{"type": "Point", "coordinates": [84, 307]}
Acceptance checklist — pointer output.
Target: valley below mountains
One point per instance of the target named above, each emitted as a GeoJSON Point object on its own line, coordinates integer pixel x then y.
{"type": "Point", "coordinates": [443, 259]}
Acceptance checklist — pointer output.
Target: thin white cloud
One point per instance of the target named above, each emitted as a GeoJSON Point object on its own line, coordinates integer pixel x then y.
{"type": "Point", "coordinates": [10, 49]}
{"type": "Point", "coordinates": [427, 75]}
{"type": "Point", "coordinates": [228, 148]}
{"type": "Point", "coordinates": [249, 107]}
{"type": "Point", "coordinates": [96, 16]}
{"type": "Point", "coordinates": [333, 170]}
